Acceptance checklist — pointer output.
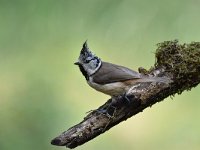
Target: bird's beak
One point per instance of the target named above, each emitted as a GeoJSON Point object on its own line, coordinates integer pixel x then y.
{"type": "Point", "coordinates": [77, 63]}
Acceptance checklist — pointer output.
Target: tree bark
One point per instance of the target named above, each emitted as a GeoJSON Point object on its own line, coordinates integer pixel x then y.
{"type": "Point", "coordinates": [178, 64]}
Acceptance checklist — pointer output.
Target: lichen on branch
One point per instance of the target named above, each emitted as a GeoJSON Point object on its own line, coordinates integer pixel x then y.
{"type": "Point", "coordinates": [180, 60]}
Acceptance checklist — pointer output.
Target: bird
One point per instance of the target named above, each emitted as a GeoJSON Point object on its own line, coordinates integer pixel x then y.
{"type": "Point", "coordinates": [109, 78]}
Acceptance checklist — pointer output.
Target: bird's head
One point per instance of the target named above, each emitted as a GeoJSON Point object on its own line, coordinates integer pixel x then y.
{"type": "Point", "coordinates": [87, 61]}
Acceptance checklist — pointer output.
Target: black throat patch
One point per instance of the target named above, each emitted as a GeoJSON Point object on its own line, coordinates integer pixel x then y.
{"type": "Point", "coordinates": [84, 72]}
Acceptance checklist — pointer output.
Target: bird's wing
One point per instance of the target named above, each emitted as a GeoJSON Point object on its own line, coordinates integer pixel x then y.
{"type": "Point", "coordinates": [109, 73]}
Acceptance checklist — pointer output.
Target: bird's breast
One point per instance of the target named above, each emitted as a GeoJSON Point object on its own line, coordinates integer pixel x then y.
{"type": "Point", "coordinates": [112, 89]}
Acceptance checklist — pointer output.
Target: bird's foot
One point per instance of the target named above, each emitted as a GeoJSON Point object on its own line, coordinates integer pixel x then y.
{"type": "Point", "coordinates": [109, 111]}
{"type": "Point", "coordinates": [127, 100]}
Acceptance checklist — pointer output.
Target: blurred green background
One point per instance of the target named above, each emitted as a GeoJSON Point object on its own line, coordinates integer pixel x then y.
{"type": "Point", "coordinates": [42, 93]}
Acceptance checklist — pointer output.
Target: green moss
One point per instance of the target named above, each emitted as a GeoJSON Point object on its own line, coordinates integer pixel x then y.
{"type": "Point", "coordinates": [181, 61]}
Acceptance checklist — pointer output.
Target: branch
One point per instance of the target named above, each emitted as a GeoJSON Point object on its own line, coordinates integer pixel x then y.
{"type": "Point", "coordinates": [179, 63]}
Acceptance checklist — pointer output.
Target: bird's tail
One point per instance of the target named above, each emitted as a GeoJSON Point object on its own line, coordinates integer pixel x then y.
{"type": "Point", "coordinates": [165, 80]}
{"type": "Point", "coordinates": [147, 79]}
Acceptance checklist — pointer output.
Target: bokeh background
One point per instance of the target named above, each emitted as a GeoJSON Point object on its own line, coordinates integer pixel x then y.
{"type": "Point", "coordinates": [42, 93]}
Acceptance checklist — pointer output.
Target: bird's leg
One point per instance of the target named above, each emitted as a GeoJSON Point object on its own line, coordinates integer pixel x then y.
{"type": "Point", "coordinates": [125, 96]}
{"type": "Point", "coordinates": [110, 110]}
{"type": "Point", "coordinates": [112, 106]}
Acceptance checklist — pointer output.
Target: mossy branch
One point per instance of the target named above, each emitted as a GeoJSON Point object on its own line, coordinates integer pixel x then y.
{"type": "Point", "coordinates": [178, 62]}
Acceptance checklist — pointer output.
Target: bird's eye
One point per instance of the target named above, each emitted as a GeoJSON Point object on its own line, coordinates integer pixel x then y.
{"type": "Point", "coordinates": [88, 60]}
